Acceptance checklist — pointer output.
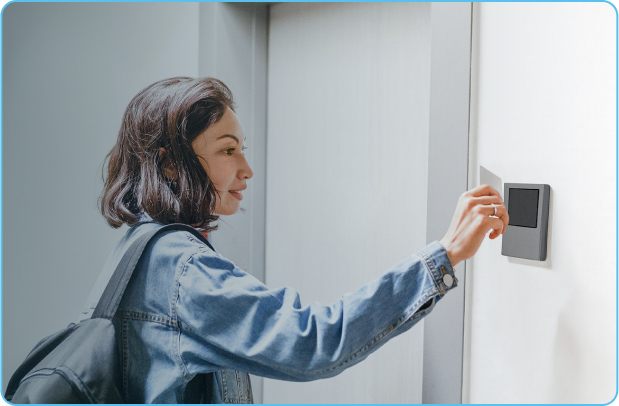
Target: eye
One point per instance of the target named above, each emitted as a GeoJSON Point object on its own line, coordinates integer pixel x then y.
{"type": "Point", "coordinates": [230, 151]}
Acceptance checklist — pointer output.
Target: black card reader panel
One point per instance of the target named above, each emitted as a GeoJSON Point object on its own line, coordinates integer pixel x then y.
{"type": "Point", "coordinates": [523, 207]}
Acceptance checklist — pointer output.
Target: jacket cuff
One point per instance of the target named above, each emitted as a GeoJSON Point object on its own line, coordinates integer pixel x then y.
{"type": "Point", "coordinates": [437, 262]}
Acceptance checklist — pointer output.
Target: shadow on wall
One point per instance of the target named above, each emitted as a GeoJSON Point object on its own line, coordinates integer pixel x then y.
{"type": "Point", "coordinates": [567, 362]}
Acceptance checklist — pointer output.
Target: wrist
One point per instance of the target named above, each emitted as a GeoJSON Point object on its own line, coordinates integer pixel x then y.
{"type": "Point", "coordinates": [451, 255]}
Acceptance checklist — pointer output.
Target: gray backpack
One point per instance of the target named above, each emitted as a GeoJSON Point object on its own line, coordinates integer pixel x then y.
{"type": "Point", "coordinates": [81, 364]}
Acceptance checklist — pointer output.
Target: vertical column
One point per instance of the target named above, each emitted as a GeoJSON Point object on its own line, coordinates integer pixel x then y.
{"type": "Point", "coordinates": [233, 48]}
{"type": "Point", "coordinates": [447, 180]}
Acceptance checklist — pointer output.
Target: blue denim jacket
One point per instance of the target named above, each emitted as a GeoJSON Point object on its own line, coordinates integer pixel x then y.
{"type": "Point", "coordinates": [188, 310]}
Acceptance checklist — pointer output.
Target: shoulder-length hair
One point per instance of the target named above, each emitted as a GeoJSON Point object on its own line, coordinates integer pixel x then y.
{"type": "Point", "coordinates": [168, 114]}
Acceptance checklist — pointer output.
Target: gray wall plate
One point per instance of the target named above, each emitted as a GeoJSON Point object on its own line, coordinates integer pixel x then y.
{"type": "Point", "coordinates": [527, 234]}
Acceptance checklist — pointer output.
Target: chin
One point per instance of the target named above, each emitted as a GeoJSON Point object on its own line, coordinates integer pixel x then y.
{"type": "Point", "coordinates": [227, 211]}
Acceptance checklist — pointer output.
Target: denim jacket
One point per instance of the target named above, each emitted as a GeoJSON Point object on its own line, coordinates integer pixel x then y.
{"type": "Point", "coordinates": [188, 310]}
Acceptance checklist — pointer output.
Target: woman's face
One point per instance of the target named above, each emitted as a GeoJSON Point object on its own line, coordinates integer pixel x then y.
{"type": "Point", "coordinates": [219, 148]}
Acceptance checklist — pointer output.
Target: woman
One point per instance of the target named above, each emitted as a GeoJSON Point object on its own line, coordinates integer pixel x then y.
{"type": "Point", "coordinates": [188, 311]}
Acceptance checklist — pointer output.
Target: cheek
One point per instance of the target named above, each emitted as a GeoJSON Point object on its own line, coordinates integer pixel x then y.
{"type": "Point", "coordinates": [220, 174]}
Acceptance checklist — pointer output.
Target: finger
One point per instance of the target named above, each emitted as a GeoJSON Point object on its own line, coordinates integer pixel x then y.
{"type": "Point", "coordinates": [501, 213]}
{"type": "Point", "coordinates": [496, 225]}
{"type": "Point", "coordinates": [484, 190]}
{"type": "Point", "coordinates": [488, 210]}
{"type": "Point", "coordinates": [487, 200]}
{"type": "Point", "coordinates": [505, 219]}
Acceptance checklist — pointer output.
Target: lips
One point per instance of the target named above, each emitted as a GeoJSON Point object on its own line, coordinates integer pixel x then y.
{"type": "Point", "coordinates": [237, 193]}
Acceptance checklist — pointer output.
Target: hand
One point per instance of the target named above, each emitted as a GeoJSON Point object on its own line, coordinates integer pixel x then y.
{"type": "Point", "coordinates": [472, 220]}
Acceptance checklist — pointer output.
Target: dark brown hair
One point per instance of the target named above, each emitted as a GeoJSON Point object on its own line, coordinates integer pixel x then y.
{"type": "Point", "coordinates": [168, 114]}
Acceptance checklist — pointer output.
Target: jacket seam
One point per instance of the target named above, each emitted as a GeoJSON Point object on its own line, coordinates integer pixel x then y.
{"type": "Point", "coordinates": [429, 293]}
{"type": "Point", "coordinates": [186, 372]}
{"type": "Point", "coordinates": [186, 327]}
{"type": "Point", "coordinates": [125, 356]}
{"type": "Point", "coordinates": [430, 268]}
{"type": "Point", "coordinates": [143, 316]}
{"type": "Point", "coordinates": [241, 396]}
{"type": "Point", "coordinates": [191, 238]}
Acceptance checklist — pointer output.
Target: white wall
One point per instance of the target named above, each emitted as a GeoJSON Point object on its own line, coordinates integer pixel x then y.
{"type": "Point", "coordinates": [347, 170]}
{"type": "Point", "coordinates": [543, 111]}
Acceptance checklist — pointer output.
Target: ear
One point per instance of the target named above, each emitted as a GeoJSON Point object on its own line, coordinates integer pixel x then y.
{"type": "Point", "coordinates": [169, 172]}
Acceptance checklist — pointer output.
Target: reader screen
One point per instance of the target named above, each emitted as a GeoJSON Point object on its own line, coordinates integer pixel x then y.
{"type": "Point", "coordinates": [523, 207]}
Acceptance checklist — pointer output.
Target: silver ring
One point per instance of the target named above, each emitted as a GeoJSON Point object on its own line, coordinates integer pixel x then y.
{"type": "Point", "coordinates": [493, 205]}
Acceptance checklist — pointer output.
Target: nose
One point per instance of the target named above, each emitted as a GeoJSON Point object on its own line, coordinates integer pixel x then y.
{"type": "Point", "coordinates": [245, 172]}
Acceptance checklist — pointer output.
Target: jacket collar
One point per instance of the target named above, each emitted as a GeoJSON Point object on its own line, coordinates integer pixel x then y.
{"type": "Point", "coordinates": [143, 216]}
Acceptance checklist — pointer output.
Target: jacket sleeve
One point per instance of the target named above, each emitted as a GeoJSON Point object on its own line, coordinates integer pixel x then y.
{"type": "Point", "coordinates": [230, 320]}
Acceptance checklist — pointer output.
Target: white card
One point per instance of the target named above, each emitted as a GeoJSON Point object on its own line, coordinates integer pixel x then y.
{"type": "Point", "coordinates": [488, 178]}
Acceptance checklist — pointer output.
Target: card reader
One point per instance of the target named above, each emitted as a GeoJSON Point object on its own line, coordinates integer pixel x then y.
{"type": "Point", "coordinates": [527, 233]}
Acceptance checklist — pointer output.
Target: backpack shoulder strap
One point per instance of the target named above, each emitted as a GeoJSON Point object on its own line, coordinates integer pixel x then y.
{"type": "Point", "coordinates": [113, 293]}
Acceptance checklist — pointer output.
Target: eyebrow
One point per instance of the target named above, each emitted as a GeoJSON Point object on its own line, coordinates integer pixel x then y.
{"type": "Point", "coordinates": [229, 136]}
